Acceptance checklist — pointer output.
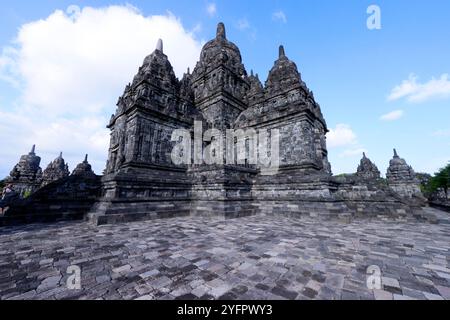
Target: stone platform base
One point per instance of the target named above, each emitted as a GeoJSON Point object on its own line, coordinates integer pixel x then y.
{"type": "Point", "coordinates": [106, 212]}
{"type": "Point", "coordinates": [63, 200]}
{"type": "Point", "coordinates": [333, 209]}
{"type": "Point", "coordinates": [226, 209]}
{"type": "Point", "coordinates": [50, 217]}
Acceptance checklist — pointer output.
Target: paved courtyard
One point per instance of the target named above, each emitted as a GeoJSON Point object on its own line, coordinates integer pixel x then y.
{"type": "Point", "coordinates": [258, 257]}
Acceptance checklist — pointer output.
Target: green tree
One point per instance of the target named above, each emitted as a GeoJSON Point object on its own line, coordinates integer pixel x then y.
{"type": "Point", "coordinates": [26, 194]}
{"type": "Point", "coordinates": [441, 180]}
{"type": "Point", "coordinates": [424, 178]}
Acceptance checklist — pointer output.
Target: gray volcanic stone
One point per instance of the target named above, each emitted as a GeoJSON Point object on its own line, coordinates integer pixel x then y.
{"type": "Point", "coordinates": [84, 169]}
{"type": "Point", "coordinates": [141, 182]}
{"type": "Point", "coordinates": [412, 256]}
{"type": "Point", "coordinates": [69, 197]}
{"type": "Point", "coordinates": [367, 169]}
{"type": "Point", "coordinates": [26, 176]}
{"type": "Point", "coordinates": [399, 171]}
{"type": "Point", "coordinates": [56, 170]}
{"type": "Point", "coordinates": [402, 178]}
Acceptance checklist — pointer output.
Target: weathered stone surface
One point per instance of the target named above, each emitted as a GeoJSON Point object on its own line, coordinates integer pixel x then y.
{"type": "Point", "coordinates": [367, 169]}
{"type": "Point", "coordinates": [68, 198]}
{"type": "Point", "coordinates": [84, 169]}
{"type": "Point", "coordinates": [141, 182]}
{"type": "Point", "coordinates": [56, 170]}
{"type": "Point", "coordinates": [26, 176]}
{"type": "Point", "coordinates": [402, 179]}
{"type": "Point", "coordinates": [258, 257]}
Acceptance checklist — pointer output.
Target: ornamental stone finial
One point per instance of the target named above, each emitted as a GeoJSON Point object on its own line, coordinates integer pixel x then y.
{"type": "Point", "coordinates": [364, 155]}
{"type": "Point", "coordinates": [60, 155]}
{"type": "Point", "coordinates": [221, 34]}
{"type": "Point", "coordinates": [395, 154]}
{"type": "Point", "coordinates": [33, 148]}
{"type": "Point", "coordinates": [159, 45]}
{"type": "Point", "coordinates": [281, 53]}
{"type": "Point", "coordinates": [85, 158]}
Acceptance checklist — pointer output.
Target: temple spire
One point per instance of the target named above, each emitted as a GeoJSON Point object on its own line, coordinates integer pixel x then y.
{"type": "Point", "coordinates": [364, 155]}
{"type": "Point", "coordinates": [221, 34]}
{"type": "Point", "coordinates": [159, 45]}
{"type": "Point", "coordinates": [33, 149]}
{"type": "Point", "coordinates": [83, 169]}
{"type": "Point", "coordinates": [281, 53]}
{"type": "Point", "coordinates": [60, 155]}
{"type": "Point", "coordinates": [395, 154]}
{"type": "Point", "coordinates": [251, 72]}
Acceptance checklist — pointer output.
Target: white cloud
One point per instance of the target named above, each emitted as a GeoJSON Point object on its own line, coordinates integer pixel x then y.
{"type": "Point", "coordinates": [7, 66]}
{"type": "Point", "coordinates": [71, 68]}
{"type": "Point", "coordinates": [75, 137]}
{"type": "Point", "coordinates": [341, 136]}
{"type": "Point", "coordinates": [279, 16]}
{"type": "Point", "coordinates": [392, 116]}
{"type": "Point", "coordinates": [211, 8]}
{"type": "Point", "coordinates": [75, 63]}
{"type": "Point", "coordinates": [416, 92]}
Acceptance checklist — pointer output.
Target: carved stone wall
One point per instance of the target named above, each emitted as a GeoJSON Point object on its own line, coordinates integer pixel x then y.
{"type": "Point", "coordinates": [141, 182]}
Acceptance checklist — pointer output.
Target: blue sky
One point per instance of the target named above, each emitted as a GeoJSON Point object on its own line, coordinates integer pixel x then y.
{"type": "Point", "coordinates": [357, 75]}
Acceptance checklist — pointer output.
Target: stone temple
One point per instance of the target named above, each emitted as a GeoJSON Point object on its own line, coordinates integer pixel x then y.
{"type": "Point", "coordinates": [141, 180]}
{"type": "Point", "coordinates": [300, 233]}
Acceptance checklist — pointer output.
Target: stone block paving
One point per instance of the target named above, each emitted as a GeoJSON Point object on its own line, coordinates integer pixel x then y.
{"type": "Point", "coordinates": [257, 257]}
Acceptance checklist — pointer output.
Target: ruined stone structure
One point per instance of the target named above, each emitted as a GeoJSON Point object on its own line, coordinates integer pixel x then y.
{"type": "Point", "coordinates": [84, 169]}
{"type": "Point", "coordinates": [402, 178]}
{"type": "Point", "coordinates": [56, 170]}
{"type": "Point", "coordinates": [141, 181]}
{"type": "Point", "coordinates": [26, 176]}
{"type": "Point", "coordinates": [58, 197]}
{"type": "Point", "coordinates": [367, 169]}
